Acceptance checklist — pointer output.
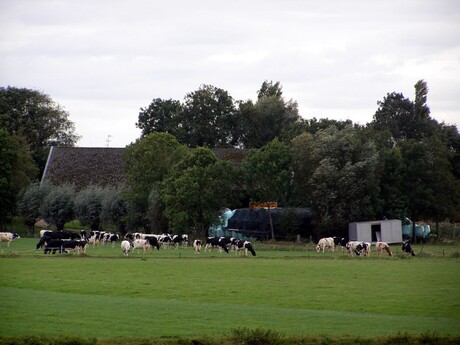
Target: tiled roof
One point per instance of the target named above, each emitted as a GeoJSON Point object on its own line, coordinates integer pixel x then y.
{"type": "Point", "coordinates": [84, 166]}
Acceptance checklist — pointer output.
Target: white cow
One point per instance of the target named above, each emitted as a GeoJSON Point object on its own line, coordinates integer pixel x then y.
{"type": "Point", "coordinates": [383, 246]}
{"type": "Point", "coordinates": [144, 244]}
{"type": "Point", "coordinates": [8, 237]}
{"type": "Point", "coordinates": [125, 247]}
{"type": "Point", "coordinates": [326, 242]}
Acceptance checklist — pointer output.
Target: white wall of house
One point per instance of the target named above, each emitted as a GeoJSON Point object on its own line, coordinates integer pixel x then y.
{"type": "Point", "coordinates": [388, 230]}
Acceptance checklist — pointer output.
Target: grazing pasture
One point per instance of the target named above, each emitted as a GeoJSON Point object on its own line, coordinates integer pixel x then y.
{"type": "Point", "coordinates": [291, 289]}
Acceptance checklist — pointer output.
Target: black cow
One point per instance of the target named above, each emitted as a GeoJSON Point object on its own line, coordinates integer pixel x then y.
{"type": "Point", "coordinates": [62, 234]}
{"type": "Point", "coordinates": [218, 242]}
{"type": "Point", "coordinates": [153, 241]}
{"type": "Point", "coordinates": [406, 248]}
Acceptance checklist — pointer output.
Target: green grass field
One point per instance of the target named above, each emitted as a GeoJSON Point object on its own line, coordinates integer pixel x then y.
{"type": "Point", "coordinates": [175, 293]}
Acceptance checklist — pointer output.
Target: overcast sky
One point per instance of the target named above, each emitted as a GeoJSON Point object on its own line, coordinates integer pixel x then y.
{"type": "Point", "coordinates": [102, 60]}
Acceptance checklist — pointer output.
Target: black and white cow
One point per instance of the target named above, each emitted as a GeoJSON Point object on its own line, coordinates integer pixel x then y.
{"type": "Point", "coordinates": [165, 240]}
{"type": "Point", "coordinates": [218, 242]}
{"type": "Point", "coordinates": [53, 245]}
{"type": "Point", "coordinates": [406, 248]}
{"type": "Point", "coordinates": [153, 241]}
{"type": "Point", "coordinates": [178, 239]}
{"type": "Point", "coordinates": [8, 237]}
{"type": "Point", "coordinates": [340, 241]}
{"type": "Point", "coordinates": [197, 246]}
{"type": "Point", "coordinates": [57, 235]}
{"type": "Point", "coordinates": [358, 248]}
{"type": "Point", "coordinates": [242, 245]}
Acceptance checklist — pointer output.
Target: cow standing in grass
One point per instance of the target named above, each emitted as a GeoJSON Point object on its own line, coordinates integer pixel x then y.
{"type": "Point", "coordinates": [383, 246]}
{"type": "Point", "coordinates": [327, 242]}
{"type": "Point", "coordinates": [8, 237]}
{"type": "Point", "coordinates": [406, 248]}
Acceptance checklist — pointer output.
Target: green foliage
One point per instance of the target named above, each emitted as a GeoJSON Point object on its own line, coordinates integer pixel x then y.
{"type": "Point", "coordinates": [147, 162]}
{"type": "Point", "coordinates": [88, 206]}
{"type": "Point", "coordinates": [196, 191]}
{"type": "Point", "coordinates": [269, 118]}
{"type": "Point", "coordinates": [17, 170]}
{"type": "Point", "coordinates": [115, 208]}
{"type": "Point", "coordinates": [40, 120]}
{"type": "Point", "coordinates": [255, 336]}
{"type": "Point", "coordinates": [268, 173]}
{"type": "Point", "coordinates": [335, 174]}
{"type": "Point", "coordinates": [58, 205]}
{"type": "Point", "coordinates": [30, 204]}
{"type": "Point", "coordinates": [160, 116]}
{"type": "Point", "coordinates": [208, 118]}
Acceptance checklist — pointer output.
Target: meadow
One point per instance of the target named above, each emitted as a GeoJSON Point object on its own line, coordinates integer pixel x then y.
{"type": "Point", "coordinates": [290, 289]}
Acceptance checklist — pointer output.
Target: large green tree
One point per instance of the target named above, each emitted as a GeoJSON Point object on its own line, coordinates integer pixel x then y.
{"type": "Point", "coordinates": [199, 187]}
{"type": "Point", "coordinates": [147, 162]}
{"type": "Point", "coordinates": [58, 205]}
{"type": "Point", "coordinates": [17, 171]}
{"type": "Point", "coordinates": [36, 117]}
{"type": "Point", "coordinates": [269, 118]}
{"type": "Point", "coordinates": [335, 174]}
{"type": "Point", "coordinates": [88, 206]}
{"type": "Point", "coordinates": [208, 118]}
{"type": "Point", "coordinates": [268, 175]}
{"type": "Point", "coordinates": [29, 205]}
{"type": "Point", "coordinates": [160, 116]}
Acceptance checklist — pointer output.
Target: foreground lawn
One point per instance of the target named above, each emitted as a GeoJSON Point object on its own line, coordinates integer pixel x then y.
{"type": "Point", "coordinates": [171, 293]}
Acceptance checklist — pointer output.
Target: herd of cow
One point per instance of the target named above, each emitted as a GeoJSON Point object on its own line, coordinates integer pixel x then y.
{"type": "Point", "coordinates": [70, 241]}
{"type": "Point", "coordinates": [359, 248]}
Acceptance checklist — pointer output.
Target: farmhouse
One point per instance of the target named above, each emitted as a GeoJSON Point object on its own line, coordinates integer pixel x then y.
{"type": "Point", "coordinates": [389, 230]}
{"type": "Point", "coordinates": [102, 166]}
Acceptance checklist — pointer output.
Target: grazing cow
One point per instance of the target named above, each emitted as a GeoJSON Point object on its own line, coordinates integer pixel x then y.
{"type": "Point", "coordinates": [8, 237]}
{"type": "Point", "coordinates": [77, 246]}
{"type": "Point", "coordinates": [125, 247]}
{"type": "Point", "coordinates": [219, 242]}
{"type": "Point", "coordinates": [340, 241]}
{"type": "Point", "coordinates": [138, 243]}
{"type": "Point", "coordinates": [383, 246]}
{"type": "Point", "coordinates": [52, 245]}
{"type": "Point", "coordinates": [197, 246]}
{"type": "Point", "coordinates": [83, 235]}
{"type": "Point", "coordinates": [327, 242]}
{"type": "Point", "coordinates": [178, 239]}
{"type": "Point", "coordinates": [240, 245]}
{"type": "Point", "coordinates": [113, 238]}
{"type": "Point", "coordinates": [358, 248]}
{"type": "Point", "coordinates": [43, 232]}
{"type": "Point", "coordinates": [406, 248]}
{"type": "Point", "coordinates": [165, 240]}
{"type": "Point", "coordinates": [152, 240]}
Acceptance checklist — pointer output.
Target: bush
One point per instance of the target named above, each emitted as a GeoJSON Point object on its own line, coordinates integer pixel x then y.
{"type": "Point", "coordinates": [58, 205]}
{"type": "Point", "coordinates": [255, 337]}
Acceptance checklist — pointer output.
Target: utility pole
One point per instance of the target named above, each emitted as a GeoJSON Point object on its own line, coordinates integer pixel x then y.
{"type": "Point", "coordinates": [108, 140]}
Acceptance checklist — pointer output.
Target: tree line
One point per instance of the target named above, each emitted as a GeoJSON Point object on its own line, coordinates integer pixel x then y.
{"type": "Point", "coordinates": [403, 163]}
